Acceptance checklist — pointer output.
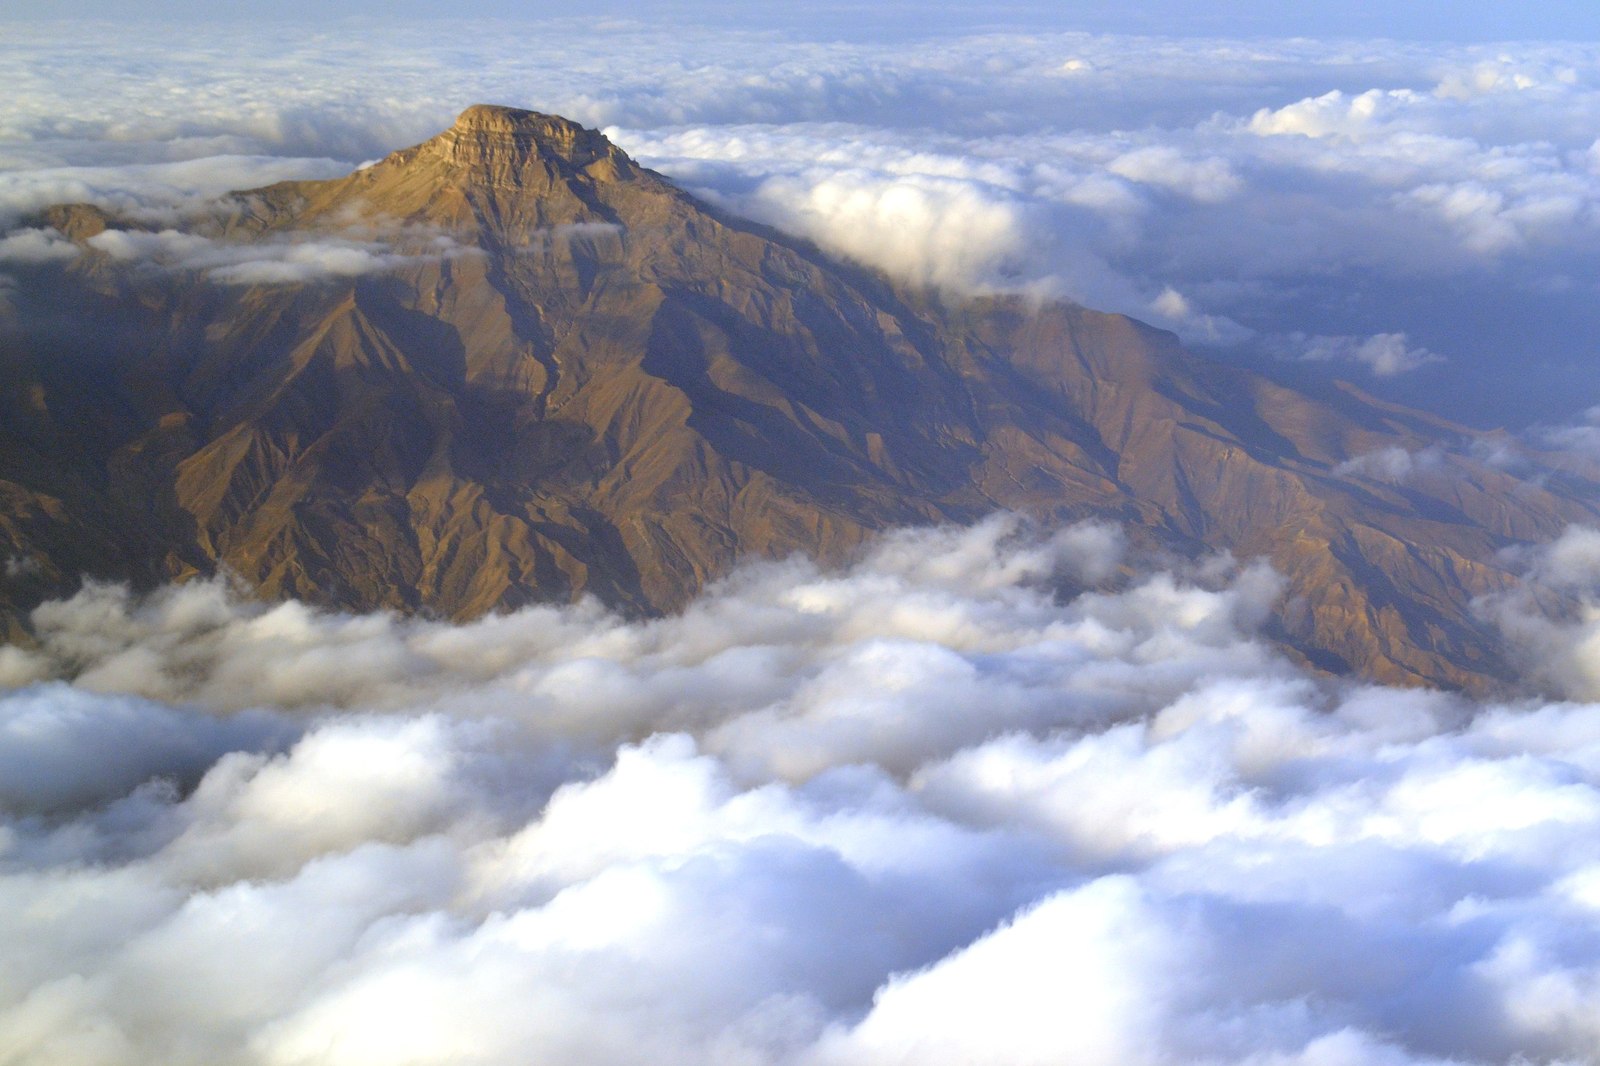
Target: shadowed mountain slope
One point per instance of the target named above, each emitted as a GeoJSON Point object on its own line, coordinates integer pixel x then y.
{"type": "Point", "coordinates": [509, 364]}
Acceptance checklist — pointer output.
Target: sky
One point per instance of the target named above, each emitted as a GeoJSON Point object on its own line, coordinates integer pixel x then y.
{"type": "Point", "coordinates": [918, 808]}
{"type": "Point", "coordinates": [1450, 20]}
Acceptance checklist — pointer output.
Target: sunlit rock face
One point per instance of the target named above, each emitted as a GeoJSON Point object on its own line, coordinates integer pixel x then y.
{"type": "Point", "coordinates": [510, 365]}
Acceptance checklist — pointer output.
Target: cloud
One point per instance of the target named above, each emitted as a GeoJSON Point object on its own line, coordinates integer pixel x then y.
{"type": "Point", "coordinates": [1333, 114]}
{"type": "Point", "coordinates": [1235, 230]}
{"type": "Point", "coordinates": [1504, 74]}
{"type": "Point", "coordinates": [1384, 354]}
{"type": "Point", "coordinates": [19, 566]}
{"type": "Point", "coordinates": [1175, 311]}
{"type": "Point", "coordinates": [1085, 957]}
{"type": "Point", "coordinates": [924, 229]}
{"type": "Point", "coordinates": [51, 734]}
{"type": "Point", "coordinates": [924, 807]}
{"type": "Point", "coordinates": [1580, 436]}
{"type": "Point", "coordinates": [925, 216]}
{"type": "Point", "coordinates": [158, 193]}
{"type": "Point", "coordinates": [272, 262]}
{"type": "Point", "coordinates": [1553, 620]}
{"type": "Point", "coordinates": [36, 246]}
{"type": "Point", "coordinates": [1206, 180]}
{"type": "Point", "coordinates": [1393, 464]}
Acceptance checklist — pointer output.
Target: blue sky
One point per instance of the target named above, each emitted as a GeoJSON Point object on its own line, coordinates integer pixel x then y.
{"type": "Point", "coordinates": [1452, 20]}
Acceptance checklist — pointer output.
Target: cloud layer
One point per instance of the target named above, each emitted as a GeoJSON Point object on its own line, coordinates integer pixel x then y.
{"type": "Point", "coordinates": [1251, 194]}
{"type": "Point", "coordinates": [265, 262]}
{"type": "Point", "coordinates": [922, 809]}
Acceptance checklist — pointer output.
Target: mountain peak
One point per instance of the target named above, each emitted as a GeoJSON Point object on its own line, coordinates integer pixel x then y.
{"type": "Point", "coordinates": [507, 140]}
{"type": "Point", "coordinates": [516, 121]}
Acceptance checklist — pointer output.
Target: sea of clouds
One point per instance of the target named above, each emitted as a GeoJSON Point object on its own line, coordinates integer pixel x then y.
{"type": "Point", "coordinates": [934, 807]}
{"type": "Point", "coordinates": [1410, 215]}
{"type": "Point", "coordinates": [926, 808]}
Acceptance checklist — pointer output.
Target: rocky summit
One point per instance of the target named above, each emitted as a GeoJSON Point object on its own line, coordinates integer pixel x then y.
{"type": "Point", "coordinates": [509, 364]}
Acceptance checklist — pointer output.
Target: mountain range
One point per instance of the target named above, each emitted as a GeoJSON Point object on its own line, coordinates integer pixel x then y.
{"type": "Point", "coordinates": [511, 365]}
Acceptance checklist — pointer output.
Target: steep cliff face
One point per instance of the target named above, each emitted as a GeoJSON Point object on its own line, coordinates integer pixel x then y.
{"type": "Point", "coordinates": [510, 364]}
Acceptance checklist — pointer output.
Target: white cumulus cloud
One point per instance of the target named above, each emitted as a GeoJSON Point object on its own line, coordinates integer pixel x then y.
{"type": "Point", "coordinates": [921, 808]}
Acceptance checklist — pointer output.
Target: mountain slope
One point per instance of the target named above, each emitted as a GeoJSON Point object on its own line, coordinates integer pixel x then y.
{"type": "Point", "coordinates": [510, 364]}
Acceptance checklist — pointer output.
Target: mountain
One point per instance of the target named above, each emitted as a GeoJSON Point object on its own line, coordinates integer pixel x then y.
{"type": "Point", "coordinates": [509, 364]}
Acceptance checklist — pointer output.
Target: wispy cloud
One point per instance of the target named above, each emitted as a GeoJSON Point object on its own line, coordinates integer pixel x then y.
{"type": "Point", "coordinates": [1393, 464]}
{"type": "Point", "coordinates": [153, 193]}
{"type": "Point", "coordinates": [1384, 354]}
{"type": "Point", "coordinates": [36, 246]}
{"type": "Point", "coordinates": [290, 260]}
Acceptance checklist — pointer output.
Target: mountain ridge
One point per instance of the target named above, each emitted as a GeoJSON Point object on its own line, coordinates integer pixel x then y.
{"type": "Point", "coordinates": [567, 375]}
